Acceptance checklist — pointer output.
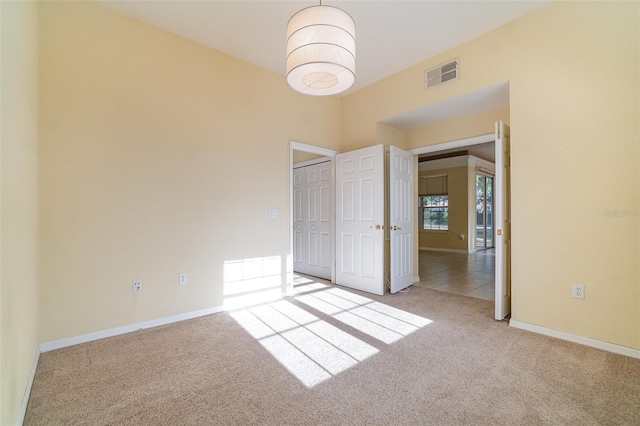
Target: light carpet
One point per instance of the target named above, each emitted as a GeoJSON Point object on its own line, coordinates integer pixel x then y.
{"type": "Point", "coordinates": [462, 368]}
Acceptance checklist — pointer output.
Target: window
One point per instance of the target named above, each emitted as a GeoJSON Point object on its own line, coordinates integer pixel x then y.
{"type": "Point", "coordinates": [435, 212]}
{"type": "Point", "coordinates": [434, 202]}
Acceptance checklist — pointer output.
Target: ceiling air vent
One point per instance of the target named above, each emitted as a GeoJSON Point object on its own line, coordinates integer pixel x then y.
{"type": "Point", "coordinates": [441, 74]}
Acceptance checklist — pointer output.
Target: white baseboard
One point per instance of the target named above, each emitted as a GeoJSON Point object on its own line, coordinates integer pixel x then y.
{"type": "Point", "coordinates": [587, 341]}
{"type": "Point", "coordinates": [416, 279]}
{"type": "Point", "coordinates": [445, 250]}
{"type": "Point", "coordinates": [70, 341]}
{"type": "Point", "coordinates": [27, 392]}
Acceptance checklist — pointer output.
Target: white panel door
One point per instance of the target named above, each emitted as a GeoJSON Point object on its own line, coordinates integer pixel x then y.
{"type": "Point", "coordinates": [318, 221]}
{"type": "Point", "coordinates": [502, 216]}
{"type": "Point", "coordinates": [401, 221]}
{"type": "Point", "coordinates": [299, 205]}
{"type": "Point", "coordinates": [312, 220]}
{"type": "Point", "coordinates": [360, 219]}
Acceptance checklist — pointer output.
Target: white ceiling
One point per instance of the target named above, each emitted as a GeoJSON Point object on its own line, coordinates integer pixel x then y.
{"type": "Point", "coordinates": [390, 35]}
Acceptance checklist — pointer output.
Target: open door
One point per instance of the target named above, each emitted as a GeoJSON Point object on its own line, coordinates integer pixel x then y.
{"type": "Point", "coordinates": [299, 263]}
{"type": "Point", "coordinates": [401, 218]}
{"type": "Point", "coordinates": [312, 220]}
{"type": "Point", "coordinates": [502, 222]}
{"type": "Point", "coordinates": [360, 219]}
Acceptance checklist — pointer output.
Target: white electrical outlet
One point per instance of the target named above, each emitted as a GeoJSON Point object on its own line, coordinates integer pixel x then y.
{"type": "Point", "coordinates": [137, 285]}
{"type": "Point", "coordinates": [182, 278]}
{"type": "Point", "coordinates": [578, 291]}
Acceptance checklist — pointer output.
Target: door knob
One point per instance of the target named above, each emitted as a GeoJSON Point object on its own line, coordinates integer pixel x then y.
{"type": "Point", "coordinates": [377, 227]}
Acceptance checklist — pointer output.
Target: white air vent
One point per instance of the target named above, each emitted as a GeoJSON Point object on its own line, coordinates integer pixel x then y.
{"type": "Point", "coordinates": [441, 74]}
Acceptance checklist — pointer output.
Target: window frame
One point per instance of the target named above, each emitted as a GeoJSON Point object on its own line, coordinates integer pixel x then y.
{"type": "Point", "coordinates": [442, 203]}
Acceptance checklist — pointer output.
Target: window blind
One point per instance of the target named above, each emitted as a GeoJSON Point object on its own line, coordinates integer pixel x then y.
{"type": "Point", "coordinates": [433, 185]}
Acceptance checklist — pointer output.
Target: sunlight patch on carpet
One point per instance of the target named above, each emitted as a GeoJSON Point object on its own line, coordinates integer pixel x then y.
{"type": "Point", "coordinates": [307, 288]}
{"type": "Point", "coordinates": [314, 350]}
{"type": "Point", "coordinates": [383, 322]}
{"type": "Point", "coordinates": [309, 348]}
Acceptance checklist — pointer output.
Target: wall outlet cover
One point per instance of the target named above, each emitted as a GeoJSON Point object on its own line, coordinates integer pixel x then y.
{"type": "Point", "coordinates": [578, 291]}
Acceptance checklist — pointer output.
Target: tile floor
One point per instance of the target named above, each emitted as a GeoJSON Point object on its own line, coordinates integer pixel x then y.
{"type": "Point", "coordinates": [467, 274]}
{"type": "Point", "coordinates": [471, 275]}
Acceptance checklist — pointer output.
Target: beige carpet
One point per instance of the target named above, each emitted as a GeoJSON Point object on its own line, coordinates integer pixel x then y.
{"type": "Point", "coordinates": [463, 368]}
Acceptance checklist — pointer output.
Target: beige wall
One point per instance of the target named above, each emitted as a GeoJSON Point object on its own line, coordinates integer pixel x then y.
{"type": "Point", "coordinates": [479, 124]}
{"type": "Point", "coordinates": [458, 192]}
{"type": "Point", "coordinates": [301, 156]}
{"type": "Point", "coordinates": [389, 135]}
{"type": "Point", "coordinates": [158, 156]}
{"type": "Point", "coordinates": [575, 130]}
{"type": "Point", "coordinates": [151, 147]}
{"type": "Point", "coordinates": [19, 329]}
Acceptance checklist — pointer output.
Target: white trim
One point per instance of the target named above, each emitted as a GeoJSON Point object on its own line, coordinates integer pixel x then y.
{"type": "Point", "coordinates": [459, 161]}
{"type": "Point", "coordinates": [587, 341]}
{"type": "Point", "coordinates": [299, 146]}
{"type": "Point", "coordinates": [454, 144]}
{"type": "Point", "coordinates": [70, 341]}
{"type": "Point", "coordinates": [490, 137]}
{"type": "Point", "coordinates": [27, 391]}
{"type": "Point", "coordinates": [311, 162]}
{"type": "Point", "coordinates": [502, 241]}
{"type": "Point", "coordinates": [444, 249]}
{"type": "Point", "coordinates": [416, 279]}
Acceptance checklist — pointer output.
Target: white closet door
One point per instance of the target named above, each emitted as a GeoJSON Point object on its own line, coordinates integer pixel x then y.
{"type": "Point", "coordinates": [299, 205]}
{"type": "Point", "coordinates": [312, 218]}
{"type": "Point", "coordinates": [360, 219]}
{"type": "Point", "coordinates": [319, 220]}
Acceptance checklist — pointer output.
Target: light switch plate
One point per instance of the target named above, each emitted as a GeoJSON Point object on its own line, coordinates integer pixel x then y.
{"type": "Point", "coordinates": [273, 213]}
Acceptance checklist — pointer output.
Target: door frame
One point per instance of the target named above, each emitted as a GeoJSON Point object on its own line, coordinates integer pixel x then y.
{"type": "Point", "coordinates": [331, 154]}
{"type": "Point", "coordinates": [476, 140]}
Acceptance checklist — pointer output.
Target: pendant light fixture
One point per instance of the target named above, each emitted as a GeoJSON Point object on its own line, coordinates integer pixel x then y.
{"type": "Point", "coordinates": [321, 51]}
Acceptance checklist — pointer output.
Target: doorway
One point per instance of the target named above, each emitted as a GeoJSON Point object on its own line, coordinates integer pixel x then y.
{"type": "Point", "coordinates": [312, 218]}
{"type": "Point", "coordinates": [367, 210]}
{"type": "Point", "coordinates": [500, 211]}
{"type": "Point", "coordinates": [450, 260]}
{"type": "Point", "coordinates": [304, 154]}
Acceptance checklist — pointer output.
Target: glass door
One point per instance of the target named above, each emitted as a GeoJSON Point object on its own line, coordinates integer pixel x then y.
{"type": "Point", "coordinates": [484, 212]}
